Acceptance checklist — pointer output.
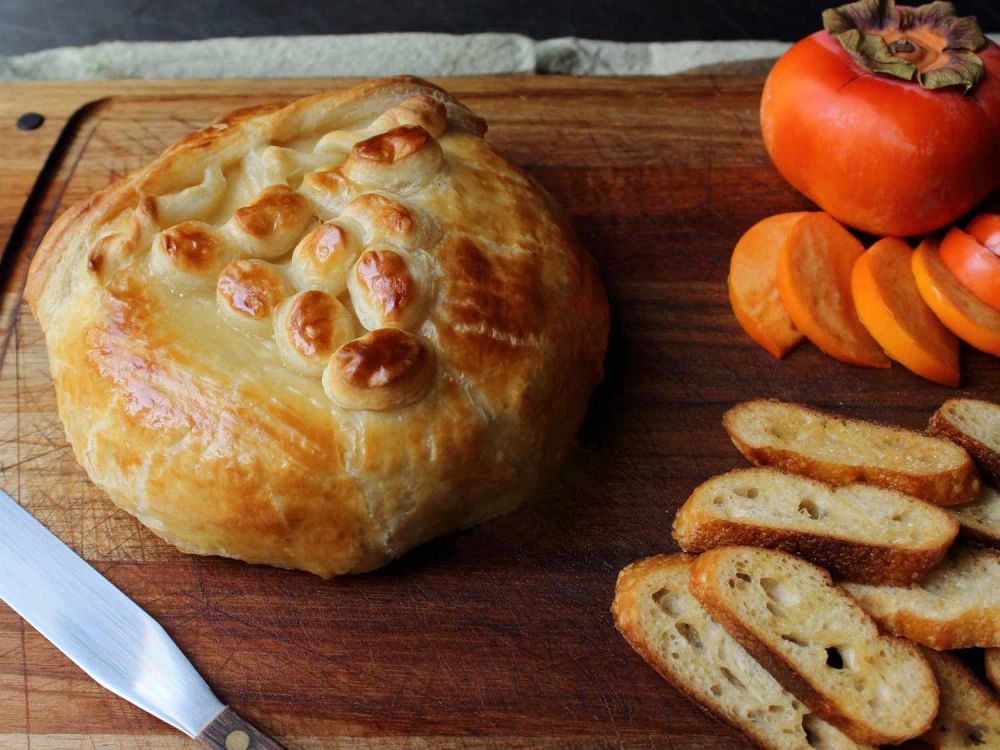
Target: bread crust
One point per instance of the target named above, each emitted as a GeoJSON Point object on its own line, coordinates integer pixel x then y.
{"type": "Point", "coordinates": [987, 458]}
{"type": "Point", "coordinates": [942, 635]}
{"type": "Point", "coordinates": [704, 572]}
{"type": "Point", "coordinates": [697, 529]}
{"type": "Point", "coordinates": [199, 431]}
{"type": "Point", "coordinates": [844, 558]}
{"type": "Point", "coordinates": [976, 519]}
{"type": "Point", "coordinates": [623, 609]}
{"type": "Point", "coordinates": [962, 721]}
{"type": "Point", "coordinates": [634, 583]}
{"type": "Point", "coordinates": [977, 625]}
{"type": "Point", "coordinates": [942, 488]}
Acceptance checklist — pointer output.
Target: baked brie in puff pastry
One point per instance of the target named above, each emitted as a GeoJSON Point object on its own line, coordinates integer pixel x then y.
{"type": "Point", "coordinates": [318, 334]}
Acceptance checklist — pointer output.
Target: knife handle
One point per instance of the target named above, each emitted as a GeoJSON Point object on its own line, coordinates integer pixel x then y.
{"type": "Point", "coordinates": [229, 731]}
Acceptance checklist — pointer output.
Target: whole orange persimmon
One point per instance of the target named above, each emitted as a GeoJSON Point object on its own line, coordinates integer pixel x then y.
{"type": "Point", "coordinates": [889, 118]}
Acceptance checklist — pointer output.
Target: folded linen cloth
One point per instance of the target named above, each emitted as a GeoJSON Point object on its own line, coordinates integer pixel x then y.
{"type": "Point", "coordinates": [375, 54]}
{"type": "Point", "coordinates": [385, 54]}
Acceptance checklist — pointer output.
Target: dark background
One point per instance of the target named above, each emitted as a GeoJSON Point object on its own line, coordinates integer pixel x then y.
{"type": "Point", "coordinates": [28, 25]}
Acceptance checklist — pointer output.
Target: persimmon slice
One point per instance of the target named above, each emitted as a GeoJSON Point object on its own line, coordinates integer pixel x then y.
{"type": "Point", "coordinates": [986, 229]}
{"type": "Point", "coordinates": [958, 308]}
{"type": "Point", "coordinates": [975, 265]}
{"type": "Point", "coordinates": [814, 279]}
{"type": "Point", "coordinates": [753, 285]}
{"type": "Point", "coordinates": [897, 317]}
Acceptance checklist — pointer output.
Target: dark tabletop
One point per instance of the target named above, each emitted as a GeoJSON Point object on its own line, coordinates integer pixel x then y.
{"type": "Point", "coordinates": [28, 25]}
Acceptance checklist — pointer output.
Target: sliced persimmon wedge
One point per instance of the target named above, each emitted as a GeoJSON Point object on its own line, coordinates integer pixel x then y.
{"type": "Point", "coordinates": [753, 285]}
{"type": "Point", "coordinates": [958, 308]}
{"type": "Point", "coordinates": [986, 229]}
{"type": "Point", "coordinates": [891, 308]}
{"type": "Point", "coordinates": [974, 264]}
{"type": "Point", "coordinates": [814, 280]}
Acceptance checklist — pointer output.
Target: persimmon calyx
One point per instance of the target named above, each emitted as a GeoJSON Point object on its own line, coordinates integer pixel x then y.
{"type": "Point", "coordinates": [928, 44]}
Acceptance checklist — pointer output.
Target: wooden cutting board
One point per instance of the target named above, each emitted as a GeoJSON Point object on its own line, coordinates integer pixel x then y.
{"type": "Point", "coordinates": [500, 636]}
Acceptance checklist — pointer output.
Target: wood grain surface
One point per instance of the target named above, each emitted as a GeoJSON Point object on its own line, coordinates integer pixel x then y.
{"type": "Point", "coordinates": [498, 637]}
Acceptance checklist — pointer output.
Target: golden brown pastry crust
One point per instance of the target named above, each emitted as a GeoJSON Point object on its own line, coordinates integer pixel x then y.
{"type": "Point", "coordinates": [174, 392]}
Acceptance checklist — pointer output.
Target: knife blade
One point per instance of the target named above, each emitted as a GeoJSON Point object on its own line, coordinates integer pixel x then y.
{"type": "Point", "coordinates": [108, 635]}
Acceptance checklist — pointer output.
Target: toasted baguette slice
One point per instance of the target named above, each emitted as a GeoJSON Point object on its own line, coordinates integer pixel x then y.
{"type": "Point", "coordinates": [980, 519]}
{"type": "Point", "coordinates": [969, 715]}
{"type": "Point", "coordinates": [839, 450]}
{"type": "Point", "coordinates": [858, 532]}
{"type": "Point", "coordinates": [956, 606]}
{"type": "Point", "coordinates": [818, 642]}
{"type": "Point", "coordinates": [975, 425]}
{"type": "Point", "coordinates": [659, 618]}
{"type": "Point", "coordinates": [992, 661]}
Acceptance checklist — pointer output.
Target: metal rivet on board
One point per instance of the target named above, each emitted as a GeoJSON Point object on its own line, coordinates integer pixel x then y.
{"type": "Point", "coordinates": [30, 121]}
{"type": "Point", "coordinates": [238, 740]}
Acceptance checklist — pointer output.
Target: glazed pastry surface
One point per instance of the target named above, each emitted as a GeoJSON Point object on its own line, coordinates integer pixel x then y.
{"type": "Point", "coordinates": [318, 334]}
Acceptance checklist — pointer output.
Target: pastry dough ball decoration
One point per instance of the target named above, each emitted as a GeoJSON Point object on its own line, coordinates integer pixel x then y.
{"type": "Point", "coordinates": [421, 111]}
{"type": "Point", "coordinates": [386, 220]}
{"type": "Point", "coordinates": [384, 369]}
{"type": "Point", "coordinates": [425, 111]}
{"type": "Point", "coordinates": [318, 334]}
{"type": "Point", "coordinates": [385, 289]}
{"type": "Point", "coordinates": [271, 224]}
{"type": "Point", "coordinates": [194, 202]}
{"type": "Point", "coordinates": [323, 258]}
{"type": "Point", "coordinates": [116, 249]}
{"type": "Point", "coordinates": [188, 256]}
{"type": "Point", "coordinates": [400, 160]}
{"type": "Point", "coordinates": [249, 292]}
{"type": "Point", "coordinates": [309, 327]}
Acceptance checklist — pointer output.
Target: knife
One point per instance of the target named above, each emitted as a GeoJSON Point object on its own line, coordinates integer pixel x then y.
{"type": "Point", "coordinates": [108, 636]}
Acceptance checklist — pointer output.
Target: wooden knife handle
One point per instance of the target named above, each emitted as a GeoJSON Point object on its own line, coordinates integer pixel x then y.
{"type": "Point", "coordinates": [229, 731]}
